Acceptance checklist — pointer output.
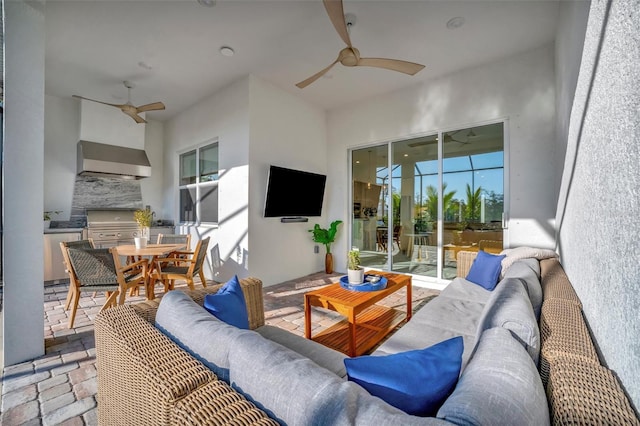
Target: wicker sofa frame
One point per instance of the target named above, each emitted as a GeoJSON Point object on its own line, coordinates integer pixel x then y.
{"type": "Point", "coordinates": [145, 379]}
{"type": "Point", "coordinates": [580, 389]}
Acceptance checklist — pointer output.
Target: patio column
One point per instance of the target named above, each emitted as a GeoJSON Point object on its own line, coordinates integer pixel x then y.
{"type": "Point", "coordinates": [23, 182]}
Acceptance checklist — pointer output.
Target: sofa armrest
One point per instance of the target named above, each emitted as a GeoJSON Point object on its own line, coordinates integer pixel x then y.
{"type": "Point", "coordinates": [251, 288]}
{"type": "Point", "coordinates": [464, 261]}
{"type": "Point", "coordinates": [141, 372]}
{"type": "Point", "coordinates": [144, 378]}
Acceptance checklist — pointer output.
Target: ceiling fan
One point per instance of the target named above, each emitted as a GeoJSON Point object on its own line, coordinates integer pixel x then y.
{"type": "Point", "coordinates": [350, 56]}
{"type": "Point", "coordinates": [128, 108]}
{"type": "Point", "coordinates": [451, 137]}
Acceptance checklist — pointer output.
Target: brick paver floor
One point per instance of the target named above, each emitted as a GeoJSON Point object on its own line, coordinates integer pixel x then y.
{"type": "Point", "coordinates": [60, 387]}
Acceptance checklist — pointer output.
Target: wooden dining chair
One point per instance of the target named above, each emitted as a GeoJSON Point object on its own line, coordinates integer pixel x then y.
{"type": "Point", "coordinates": [169, 269]}
{"type": "Point", "coordinates": [93, 270]}
{"type": "Point", "coordinates": [175, 239]}
{"type": "Point", "coordinates": [83, 244]}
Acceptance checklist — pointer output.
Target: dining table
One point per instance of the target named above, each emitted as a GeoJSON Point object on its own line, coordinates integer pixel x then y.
{"type": "Point", "coordinates": [151, 252]}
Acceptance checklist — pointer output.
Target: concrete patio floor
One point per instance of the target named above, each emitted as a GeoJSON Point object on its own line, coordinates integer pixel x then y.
{"type": "Point", "coordinates": [59, 388]}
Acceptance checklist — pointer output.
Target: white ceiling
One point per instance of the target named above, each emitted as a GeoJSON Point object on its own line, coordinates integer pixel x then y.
{"type": "Point", "coordinates": [169, 49]}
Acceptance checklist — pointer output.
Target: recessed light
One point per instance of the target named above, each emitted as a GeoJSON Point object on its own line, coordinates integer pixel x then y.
{"type": "Point", "coordinates": [207, 3]}
{"type": "Point", "coordinates": [455, 23]}
{"type": "Point", "coordinates": [406, 155]}
{"type": "Point", "coordinates": [226, 51]}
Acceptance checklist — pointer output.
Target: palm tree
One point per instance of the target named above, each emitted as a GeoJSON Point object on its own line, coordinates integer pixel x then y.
{"type": "Point", "coordinates": [432, 200]}
{"type": "Point", "coordinates": [395, 199]}
{"type": "Point", "coordinates": [472, 209]}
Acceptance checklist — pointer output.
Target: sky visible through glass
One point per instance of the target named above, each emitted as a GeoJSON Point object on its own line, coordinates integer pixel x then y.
{"type": "Point", "coordinates": [484, 170]}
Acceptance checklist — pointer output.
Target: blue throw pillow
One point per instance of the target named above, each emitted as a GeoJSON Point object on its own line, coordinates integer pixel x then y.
{"type": "Point", "coordinates": [228, 304]}
{"type": "Point", "coordinates": [485, 270]}
{"type": "Point", "coordinates": [417, 382]}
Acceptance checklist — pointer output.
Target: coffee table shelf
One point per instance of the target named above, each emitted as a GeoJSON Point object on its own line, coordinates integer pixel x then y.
{"type": "Point", "coordinates": [371, 327]}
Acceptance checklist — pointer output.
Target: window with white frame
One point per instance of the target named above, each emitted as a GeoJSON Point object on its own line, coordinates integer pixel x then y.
{"type": "Point", "coordinates": [198, 184]}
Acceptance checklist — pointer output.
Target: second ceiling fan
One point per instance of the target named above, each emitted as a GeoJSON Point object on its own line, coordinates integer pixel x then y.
{"type": "Point", "coordinates": [128, 108]}
{"type": "Point", "coordinates": [350, 56]}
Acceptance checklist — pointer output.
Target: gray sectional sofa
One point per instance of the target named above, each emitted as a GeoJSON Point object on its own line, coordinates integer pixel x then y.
{"type": "Point", "coordinates": [169, 361]}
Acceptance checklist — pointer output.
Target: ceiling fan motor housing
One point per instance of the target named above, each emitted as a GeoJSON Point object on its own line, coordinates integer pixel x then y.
{"type": "Point", "coordinates": [349, 56]}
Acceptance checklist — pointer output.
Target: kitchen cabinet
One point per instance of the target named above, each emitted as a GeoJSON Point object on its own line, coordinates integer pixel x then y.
{"type": "Point", "coordinates": [54, 270]}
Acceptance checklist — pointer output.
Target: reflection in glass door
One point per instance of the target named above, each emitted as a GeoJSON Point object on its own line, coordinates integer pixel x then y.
{"type": "Point", "coordinates": [413, 213]}
{"type": "Point", "coordinates": [472, 192]}
{"type": "Point", "coordinates": [370, 205]}
{"type": "Point", "coordinates": [414, 186]}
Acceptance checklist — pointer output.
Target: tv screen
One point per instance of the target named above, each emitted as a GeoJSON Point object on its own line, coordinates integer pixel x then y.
{"type": "Point", "coordinates": [294, 193]}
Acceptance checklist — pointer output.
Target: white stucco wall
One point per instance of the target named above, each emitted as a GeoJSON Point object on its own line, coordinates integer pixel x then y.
{"type": "Point", "coordinates": [256, 124]}
{"type": "Point", "coordinates": [61, 134]}
{"type": "Point", "coordinates": [519, 89]}
{"type": "Point", "coordinates": [105, 124]}
{"type": "Point", "coordinates": [22, 192]}
{"type": "Point", "coordinates": [286, 131]}
{"type": "Point", "coordinates": [223, 116]}
{"type": "Point", "coordinates": [599, 198]}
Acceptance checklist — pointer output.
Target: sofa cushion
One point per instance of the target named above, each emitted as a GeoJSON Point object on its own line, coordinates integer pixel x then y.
{"type": "Point", "coordinates": [500, 385]}
{"type": "Point", "coordinates": [325, 357]}
{"type": "Point", "coordinates": [528, 270]}
{"type": "Point", "coordinates": [416, 381]}
{"type": "Point", "coordinates": [485, 269]}
{"type": "Point", "coordinates": [509, 307]}
{"type": "Point", "coordinates": [463, 289]}
{"type": "Point", "coordinates": [517, 253]}
{"type": "Point", "coordinates": [196, 331]}
{"type": "Point", "coordinates": [440, 319]}
{"type": "Point", "coordinates": [228, 304]}
{"type": "Point", "coordinates": [293, 390]}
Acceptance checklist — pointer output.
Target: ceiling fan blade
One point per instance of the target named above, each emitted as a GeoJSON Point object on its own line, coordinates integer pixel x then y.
{"type": "Point", "coordinates": [410, 68]}
{"type": "Point", "coordinates": [100, 102]}
{"type": "Point", "coordinates": [151, 107]}
{"type": "Point", "coordinates": [316, 76]}
{"type": "Point", "coordinates": [336, 14]}
{"type": "Point", "coordinates": [131, 112]}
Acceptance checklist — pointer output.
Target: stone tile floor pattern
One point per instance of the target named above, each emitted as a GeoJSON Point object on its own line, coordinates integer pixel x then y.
{"type": "Point", "coordinates": [59, 388]}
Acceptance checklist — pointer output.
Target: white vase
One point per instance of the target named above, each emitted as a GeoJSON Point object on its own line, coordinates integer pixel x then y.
{"type": "Point", "coordinates": [355, 276]}
{"type": "Point", "coordinates": [140, 242]}
{"type": "Point", "coordinates": [47, 224]}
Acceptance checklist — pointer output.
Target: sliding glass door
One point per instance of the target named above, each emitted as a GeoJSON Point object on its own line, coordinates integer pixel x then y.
{"type": "Point", "coordinates": [418, 202]}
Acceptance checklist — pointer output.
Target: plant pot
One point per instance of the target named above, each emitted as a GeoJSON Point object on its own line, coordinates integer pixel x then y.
{"type": "Point", "coordinates": [47, 224]}
{"type": "Point", "coordinates": [140, 242]}
{"type": "Point", "coordinates": [328, 263]}
{"type": "Point", "coordinates": [355, 276]}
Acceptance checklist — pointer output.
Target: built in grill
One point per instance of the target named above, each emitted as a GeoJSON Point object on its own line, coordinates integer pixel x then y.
{"type": "Point", "coordinates": [111, 227]}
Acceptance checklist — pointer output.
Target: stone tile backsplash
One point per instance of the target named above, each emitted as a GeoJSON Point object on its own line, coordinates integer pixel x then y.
{"type": "Point", "coordinates": [91, 192]}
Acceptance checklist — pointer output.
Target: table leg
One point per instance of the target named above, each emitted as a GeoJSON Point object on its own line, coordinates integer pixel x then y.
{"type": "Point", "coordinates": [150, 282]}
{"type": "Point", "coordinates": [409, 300]}
{"type": "Point", "coordinates": [307, 318]}
{"type": "Point", "coordinates": [352, 334]}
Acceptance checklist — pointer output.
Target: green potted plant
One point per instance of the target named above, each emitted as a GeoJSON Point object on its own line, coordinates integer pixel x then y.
{"type": "Point", "coordinates": [326, 237]}
{"type": "Point", "coordinates": [144, 219]}
{"type": "Point", "coordinates": [355, 272]}
{"type": "Point", "coordinates": [46, 217]}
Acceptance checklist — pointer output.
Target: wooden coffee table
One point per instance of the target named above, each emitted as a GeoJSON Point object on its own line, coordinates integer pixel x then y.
{"type": "Point", "coordinates": [365, 323]}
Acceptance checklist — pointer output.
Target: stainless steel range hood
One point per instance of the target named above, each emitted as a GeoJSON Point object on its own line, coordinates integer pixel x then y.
{"type": "Point", "coordinates": [99, 159]}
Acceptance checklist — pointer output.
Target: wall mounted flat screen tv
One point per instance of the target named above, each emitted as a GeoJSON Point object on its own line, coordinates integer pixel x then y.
{"type": "Point", "coordinates": [294, 193]}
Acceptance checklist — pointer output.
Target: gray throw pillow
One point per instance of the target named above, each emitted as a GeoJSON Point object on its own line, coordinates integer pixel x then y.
{"type": "Point", "coordinates": [509, 307]}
